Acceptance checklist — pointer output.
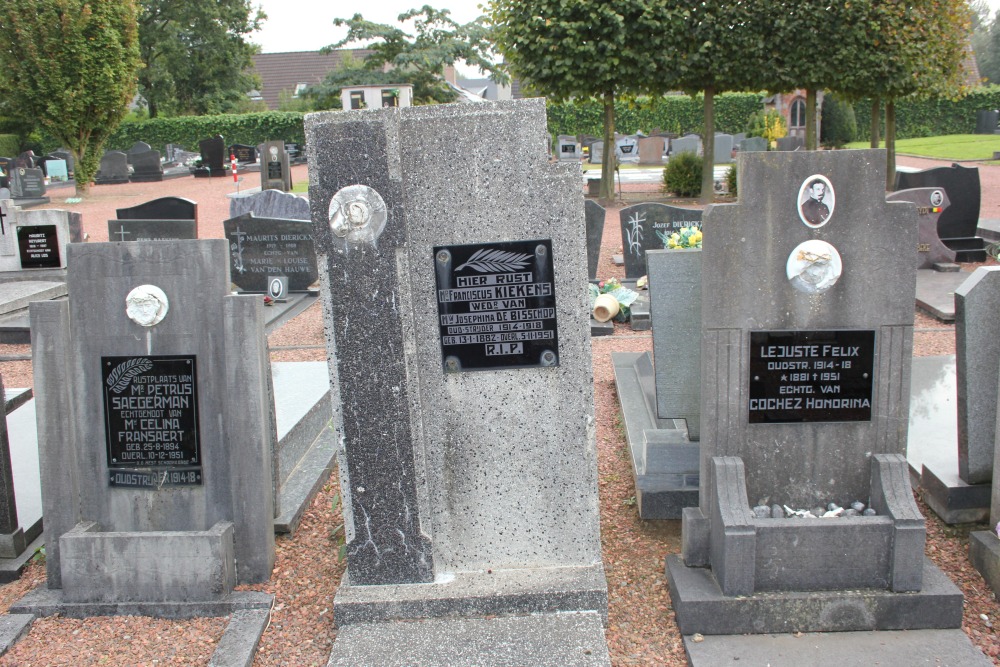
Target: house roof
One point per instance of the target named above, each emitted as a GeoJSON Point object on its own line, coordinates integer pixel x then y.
{"type": "Point", "coordinates": [285, 71]}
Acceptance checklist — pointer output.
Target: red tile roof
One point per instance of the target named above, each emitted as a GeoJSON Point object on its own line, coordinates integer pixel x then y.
{"type": "Point", "coordinates": [284, 71]}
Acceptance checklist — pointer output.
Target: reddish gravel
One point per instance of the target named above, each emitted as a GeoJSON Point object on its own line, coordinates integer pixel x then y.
{"type": "Point", "coordinates": [641, 631]}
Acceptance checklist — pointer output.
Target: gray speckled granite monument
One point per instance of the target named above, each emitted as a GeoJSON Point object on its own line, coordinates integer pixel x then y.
{"type": "Point", "coordinates": [151, 462]}
{"type": "Point", "coordinates": [807, 342]}
{"type": "Point", "coordinates": [457, 337]}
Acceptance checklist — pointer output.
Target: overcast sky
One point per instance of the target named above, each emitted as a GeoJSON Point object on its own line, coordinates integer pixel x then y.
{"type": "Point", "coordinates": [307, 25]}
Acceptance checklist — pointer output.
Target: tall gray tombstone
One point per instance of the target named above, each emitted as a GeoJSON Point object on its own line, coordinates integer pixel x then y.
{"type": "Point", "coordinates": [33, 239]}
{"type": "Point", "coordinates": [270, 204]}
{"type": "Point", "coordinates": [594, 213]}
{"type": "Point", "coordinates": [689, 143]}
{"type": "Point", "coordinates": [274, 169]}
{"type": "Point", "coordinates": [651, 150]}
{"type": "Point", "coordinates": [567, 148]}
{"type": "Point", "coordinates": [807, 343]}
{"type": "Point", "coordinates": [647, 227]}
{"type": "Point", "coordinates": [977, 364]}
{"type": "Point", "coordinates": [596, 152]}
{"type": "Point", "coordinates": [468, 462]}
{"type": "Point", "coordinates": [723, 149]}
{"type": "Point", "coordinates": [675, 311]}
{"type": "Point", "coordinates": [930, 202]}
{"type": "Point", "coordinates": [156, 429]}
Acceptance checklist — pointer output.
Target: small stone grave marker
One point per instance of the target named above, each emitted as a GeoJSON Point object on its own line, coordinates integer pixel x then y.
{"type": "Point", "coordinates": [113, 169]}
{"type": "Point", "coordinates": [275, 172]}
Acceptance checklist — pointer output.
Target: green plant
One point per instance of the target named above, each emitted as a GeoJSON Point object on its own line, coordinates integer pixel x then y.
{"type": "Point", "coordinates": [839, 126]}
{"type": "Point", "coordinates": [682, 175]}
{"type": "Point", "coordinates": [10, 144]}
{"type": "Point", "coordinates": [770, 125]}
{"type": "Point", "coordinates": [623, 295]}
{"type": "Point", "coordinates": [731, 179]}
{"type": "Point", "coordinates": [337, 534]}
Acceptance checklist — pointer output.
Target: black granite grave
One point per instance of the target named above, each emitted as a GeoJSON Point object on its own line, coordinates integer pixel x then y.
{"type": "Point", "coordinates": [262, 247]}
{"type": "Point", "coordinates": [146, 167]}
{"type": "Point", "coordinates": [957, 223]}
{"type": "Point", "coordinates": [164, 208]}
{"type": "Point", "coordinates": [213, 157]}
{"type": "Point", "coordinates": [244, 153]}
{"type": "Point", "coordinates": [151, 230]}
{"type": "Point", "coordinates": [137, 148]}
{"type": "Point", "coordinates": [27, 183]}
{"type": "Point", "coordinates": [647, 227]}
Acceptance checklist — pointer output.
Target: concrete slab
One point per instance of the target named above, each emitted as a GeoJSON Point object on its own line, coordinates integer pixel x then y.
{"type": "Point", "coordinates": [540, 640]}
{"type": "Point", "coordinates": [701, 607]}
{"type": "Point", "coordinates": [840, 649]}
{"type": "Point", "coordinates": [240, 639]}
{"type": "Point", "coordinates": [936, 292]}
{"type": "Point", "coordinates": [984, 554]}
{"type": "Point", "coordinates": [12, 628]}
{"type": "Point", "coordinates": [23, 434]}
{"type": "Point", "coordinates": [659, 493]}
{"type": "Point", "coordinates": [989, 230]}
{"type": "Point", "coordinates": [601, 328]}
{"type": "Point", "coordinates": [932, 444]}
{"type": "Point", "coordinates": [16, 296]}
{"type": "Point", "coordinates": [49, 601]}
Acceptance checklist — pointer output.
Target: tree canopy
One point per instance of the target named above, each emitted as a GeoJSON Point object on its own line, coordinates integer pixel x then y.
{"type": "Point", "coordinates": [589, 49]}
{"type": "Point", "coordinates": [70, 68]}
{"type": "Point", "coordinates": [196, 55]}
{"type": "Point", "coordinates": [417, 54]}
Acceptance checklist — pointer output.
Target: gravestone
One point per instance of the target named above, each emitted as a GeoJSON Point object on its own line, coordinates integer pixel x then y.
{"type": "Point", "coordinates": [723, 153]}
{"type": "Point", "coordinates": [57, 170]}
{"type": "Point", "coordinates": [27, 183]}
{"type": "Point", "coordinates": [137, 148]}
{"type": "Point", "coordinates": [151, 230]}
{"type": "Point", "coordinates": [738, 137]}
{"type": "Point", "coordinates": [113, 169]}
{"type": "Point", "coordinates": [146, 167]}
{"type": "Point", "coordinates": [275, 172]}
{"type": "Point", "coordinates": [977, 368]}
{"type": "Point", "coordinates": [753, 144]}
{"type": "Point", "coordinates": [214, 161]}
{"type": "Point", "coordinates": [479, 297]}
{"type": "Point", "coordinates": [27, 159]}
{"type": "Point", "coordinates": [164, 208]}
{"type": "Point", "coordinates": [244, 154]}
{"type": "Point", "coordinates": [567, 148]}
{"type": "Point", "coordinates": [805, 399]}
{"type": "Point", "coordinates": [930, 203]}
{"type": "Point", "coordinates": [594, 214]}
{"type": "Point", "coordinates": [596, 152]}
{"type": "Point", "coordinates": [958, 223]}
{"type": "Point", "coordinates": [262, 247]}
{"type": "Point", "coordinates": [33, 239]}
{"type": "Point", "coordinates": [64, 154]}
{"type": "Point", "coordinates": [791, 143]}
{"type": "Point", "coordinates": [271, 204]}
{"type": "Point", "coordinates": [651, 150]}
{"type": "Point", "coordinates": [647, 227]}
{"type": "Point", "coordinates": [161, 467]}
{"type": "Point", "coordinates": [689, 143]}
{"type": "Point", "coordinates": [627, 148]}
{"type": "Point", "coordinates": [6, 166]}
{"type": "Point", "coordinates": [986, 121]}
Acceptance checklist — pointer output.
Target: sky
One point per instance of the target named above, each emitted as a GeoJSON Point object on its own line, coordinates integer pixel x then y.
{"type": "Point", "coordinates": [307, 25]}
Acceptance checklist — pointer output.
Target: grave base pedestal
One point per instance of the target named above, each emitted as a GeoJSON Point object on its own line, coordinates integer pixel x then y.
{"type": "Point", "coordinates": [477, 594]}
{"type": "Point", "coordinates": [953, 500]}
{"type": "Point", "coordinates": [701, 607]}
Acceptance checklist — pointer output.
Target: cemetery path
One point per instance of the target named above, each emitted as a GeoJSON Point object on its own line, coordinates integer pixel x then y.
{"type": "Point", "coordinates": [210, 193]}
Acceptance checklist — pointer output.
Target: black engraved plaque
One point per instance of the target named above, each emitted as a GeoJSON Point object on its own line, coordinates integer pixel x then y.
{"type": "Point", "coordinates": [811, 376]}
{"type": "Point", "coordinates": [38, 246]}
{"type": "Point", "coordinates": [496, 305]}
{"type": "Point", "coordinates": [151, 420]}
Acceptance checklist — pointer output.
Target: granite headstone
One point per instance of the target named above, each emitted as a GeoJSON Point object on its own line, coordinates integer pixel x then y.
{"type": "Point", "coordinates": [957, 225]}
{"type": "Point", "coordinates": [262, 247]}
{"type": "Point", "coordinates": [594, 214]}
{"type": "Point", "coordinates": [275, 172]}
{"type": "Point", "coordinates": [270, 204]}
{"type": "Point", "coordinates": [146, 167]}
{"type": "Point", "coordinates": [113, 169]}
{"type": "Point", "coordinates": [930, 203]}
{"type": "Point", "coordinates": [651, 150]}
{"type": "Point", "coordinates": [647, 227]}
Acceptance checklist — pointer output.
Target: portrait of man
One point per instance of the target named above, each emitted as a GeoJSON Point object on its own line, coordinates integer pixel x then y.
{"type": "Point", "coordinates": [816, 201]}
{"type": "Point", "coordinates": [146, 305]}
{"type": "Point", "coordinates": [813, 267]}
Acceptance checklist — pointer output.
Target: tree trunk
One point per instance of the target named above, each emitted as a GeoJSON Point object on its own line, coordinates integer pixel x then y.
{"type": "Point", "coordinates": [153, 110]}
{"type": "Point", "coordinates": [876, 112]}
{"type": "Point", "coordinates": [81, 174]}
{"type": "Point", "coordinates": [708, 149]}
{"type": "Point", "coordinates": [811, 143]}
{"type": "Point", "coordinates": [608, 159]}
{"type": "Point", "coordinates": [890, 145]}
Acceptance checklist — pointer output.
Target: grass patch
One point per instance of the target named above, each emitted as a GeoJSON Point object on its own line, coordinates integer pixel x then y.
{"type": "Point", "coordinates": [300, 187]}
{"type": "Point", "coordinates": [949, 147]}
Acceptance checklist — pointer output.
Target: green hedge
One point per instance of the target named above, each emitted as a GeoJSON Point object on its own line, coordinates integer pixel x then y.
{"type": "Point", "coordinates": [930, 118]}
{"type": "Point", "coordinates": [10, 145]}
{"type": "Point", "coordinates": [672, 113]}
{"type": "Point", "coordinates": [187, 131]}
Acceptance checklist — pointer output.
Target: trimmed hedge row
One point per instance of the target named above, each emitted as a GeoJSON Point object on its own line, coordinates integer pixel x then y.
{"type": "Point", "coordinates": [673, 113]}
{"type": "Point", "coordinates": [10, 145]}
{"type": "Point", "coordinates": [930, 118]}
{"type": "Point", "coordinates": [187, 131]}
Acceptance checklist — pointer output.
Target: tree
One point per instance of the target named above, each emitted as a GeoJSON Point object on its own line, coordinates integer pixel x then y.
{"type": "Point", "coordinates": [428, 87]}
{"type": "Point", "coordinates": [419, 58]}
{"type": "Point", "coordinates": [196, 55]}
{"type": "Point", "coordinates": [589, 49]}
{"type": "Point", "coordinates": [70, 67]}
